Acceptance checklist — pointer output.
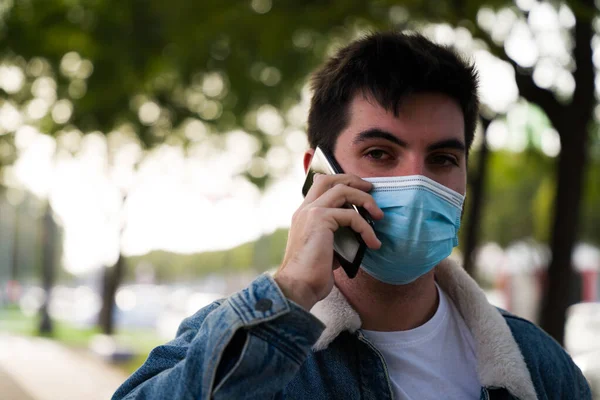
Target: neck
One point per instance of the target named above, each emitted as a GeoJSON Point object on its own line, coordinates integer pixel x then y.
{"type": "Point", "coordinates": [376, 301]}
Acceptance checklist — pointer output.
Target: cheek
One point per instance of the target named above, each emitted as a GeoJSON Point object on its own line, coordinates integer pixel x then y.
{"type": "Point", "coordinates": [456, 181]}
{"type": "Point", "coordinates": [461, 184]}
{"type": "Point", "coordinates": [347, 160]}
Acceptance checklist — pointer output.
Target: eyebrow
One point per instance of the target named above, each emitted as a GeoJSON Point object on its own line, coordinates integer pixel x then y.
{"type": "Point", "coordinates": [447, 144]}
{"type": "Point", "coordinates": [376, 133]}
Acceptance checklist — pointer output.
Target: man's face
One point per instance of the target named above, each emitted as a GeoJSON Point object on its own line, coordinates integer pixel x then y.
{"type": "Point", "coordinates": [427, 138]}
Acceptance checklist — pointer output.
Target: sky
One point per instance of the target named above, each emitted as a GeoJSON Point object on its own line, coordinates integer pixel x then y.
{"type": "Point", "coordinates": [175, 202]}
{"type": "Point", "coordinates": [197, 201]}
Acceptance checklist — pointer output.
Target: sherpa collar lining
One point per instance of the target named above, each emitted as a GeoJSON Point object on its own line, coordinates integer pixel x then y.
{"type": "Point", "coordinates": [499, 360]}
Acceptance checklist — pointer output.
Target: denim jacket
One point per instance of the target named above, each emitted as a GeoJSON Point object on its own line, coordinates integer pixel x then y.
{"type": "Point", "coordinates": [257, 344]}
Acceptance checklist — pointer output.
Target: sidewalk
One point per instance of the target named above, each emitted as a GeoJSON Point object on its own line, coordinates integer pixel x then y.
{"type": "Point", "coordinates": [10, 389]}
{"type": "Point", "coordinates": [41, 369]}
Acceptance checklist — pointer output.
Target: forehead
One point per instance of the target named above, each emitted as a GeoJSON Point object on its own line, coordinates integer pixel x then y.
{"type": "Point", "coordinates": [421, 117]}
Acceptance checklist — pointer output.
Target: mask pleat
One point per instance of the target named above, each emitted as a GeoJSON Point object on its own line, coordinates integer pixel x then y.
{"type": "Point", "coordinates": [419, 228]}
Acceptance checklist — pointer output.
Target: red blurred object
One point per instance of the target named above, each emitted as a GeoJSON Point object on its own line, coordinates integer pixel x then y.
{"type": "Point", "coordinates": [589, 285]}
{"type": "Point", "coordinates": [13, 291]}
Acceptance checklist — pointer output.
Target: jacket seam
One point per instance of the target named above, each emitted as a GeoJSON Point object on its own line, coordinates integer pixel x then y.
{"type": "Point", "coordinates": [252, 319]}
{"type": "Point", "coordinates": [225, 338]}
{"type": "Point", "coordinates": [511, 316]}
{"type": "Point", "coordinates": [235, 366]}
{"type": "Point", "coordinates": [283, 348]}
{"type": "Point", "coordinates": [363, 339]}
{"type": "Point", "coordinates": [197, 329]}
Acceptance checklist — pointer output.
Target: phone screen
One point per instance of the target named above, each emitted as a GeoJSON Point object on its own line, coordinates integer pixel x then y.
{"type": "Point", "coordinates": [348, 245]}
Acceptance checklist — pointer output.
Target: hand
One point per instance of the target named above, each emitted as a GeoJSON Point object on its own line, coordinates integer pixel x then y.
{"type": "Point", "coordinates": [306, 273]}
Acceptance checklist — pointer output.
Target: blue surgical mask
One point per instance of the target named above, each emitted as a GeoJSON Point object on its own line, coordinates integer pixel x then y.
{"type": "Point", "coordinates": [419, 228]}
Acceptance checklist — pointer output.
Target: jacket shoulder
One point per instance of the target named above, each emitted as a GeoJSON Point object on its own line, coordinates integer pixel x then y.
{"type": "Point", "coordinates": [552, 370]}
{"type": "Point", "coordinates": [193, 322]}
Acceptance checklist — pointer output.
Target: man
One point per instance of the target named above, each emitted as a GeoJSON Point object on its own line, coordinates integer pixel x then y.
{"type": "Point", "coordinates": [398, 113]}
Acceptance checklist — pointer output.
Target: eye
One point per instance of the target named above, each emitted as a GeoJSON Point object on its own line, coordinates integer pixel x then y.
{"type": "Point", "coordinates": [377, 154]}
{"type": "Point", "coordinates": [443, 160]}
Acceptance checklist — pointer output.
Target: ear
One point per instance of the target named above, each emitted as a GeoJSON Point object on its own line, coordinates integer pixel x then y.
{"type": "Point", "coordinates": [308, 155]}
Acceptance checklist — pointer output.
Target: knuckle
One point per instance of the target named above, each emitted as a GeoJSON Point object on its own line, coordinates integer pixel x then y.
{"type": "Point", "coordinates": [323, 179]}
{"type": "Point", "coordinates": [315, 213]}
{"type": "Point", "coordinates": [295, 216]}
{"type": "Point", "coordinates": [339, 188]}
{"type": "Point", "coordinates": [355, 178]}
{"type": "Point", "coordinates": [300, 214]}
{"type": "Point", "coordinates": [364, 225]}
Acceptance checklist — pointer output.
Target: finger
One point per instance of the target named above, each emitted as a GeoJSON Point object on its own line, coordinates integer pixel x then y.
{"type": "Point", "coordinates": [350, 218]}
{"type": "Point", "coordinates": [340, 195]}
{"type": "Point", "coordinates": [322, 183]}
{"type": "Point", "coordinates": [336, 264]}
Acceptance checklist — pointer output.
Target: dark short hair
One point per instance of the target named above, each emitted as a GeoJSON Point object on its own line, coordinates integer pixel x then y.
{"type": "Point", "coordinates": [388, 66]}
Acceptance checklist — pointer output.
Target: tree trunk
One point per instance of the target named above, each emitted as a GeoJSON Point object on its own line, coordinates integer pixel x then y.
{"type": "Point", "coordinates": [573, 130]}
{"type": "Point", "coordinates": [48, 269]}
{"type": "Point", "coordinates": [13, 287]}
{"type": "Point", "coordinates": [14, 266]}
{"type": "Point", "coordinates": [558, 296]}
{"type": "Point", "coordinates": [111, 282]}
{"type": "Point", "coordinates": [476, 201]}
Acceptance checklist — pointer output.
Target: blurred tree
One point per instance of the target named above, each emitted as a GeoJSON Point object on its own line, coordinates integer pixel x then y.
{"type": "Point", "coordinates": [571, 114]}
{"type": "Point", "coordinates": [590, 230]}
{"type": "Point", "coordinates": [15, 258]}
{"type": "Point", "coordinates": [49, 267]}
{"type": "Point", "coordinates": [475, 201]}
{"type": "Point", "coordinates": [264, 253]}
{"type": "Point", "coordinates": [571, 119]}
{"type": "Point", "coordinates": [154, 68]}
{"type": "Point", "coordinates": [111, 280]}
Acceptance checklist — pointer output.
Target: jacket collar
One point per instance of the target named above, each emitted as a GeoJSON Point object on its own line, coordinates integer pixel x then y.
{"type": "Point", "coordinates": [499, 360]}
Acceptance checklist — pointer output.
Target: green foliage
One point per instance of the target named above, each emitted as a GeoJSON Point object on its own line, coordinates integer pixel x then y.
{"type": "Point", "coordinates": [14, 321]}
{"type": "Point", "coordinates": [27, 214]}
{"type": "Point", "coordinates": [513, 181]}
{"type": "Point", "coordinates": [590, 212]}
{"type": "Point", "coordinates": [519, 198]}
{"type": "Point", "coordinates": [258, 256]}
{"type": "Point", "coordinates": [141, 342]}
{"type": "Point", "coordinates": [543, 207]}
{"type": "Point", "coordinates": [162, 51]}
{"type": "Point", "coordinates": [165, 51]}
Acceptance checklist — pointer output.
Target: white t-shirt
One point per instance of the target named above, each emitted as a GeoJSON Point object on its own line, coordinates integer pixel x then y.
{"type": "Point", "coordinates": [435, 360]}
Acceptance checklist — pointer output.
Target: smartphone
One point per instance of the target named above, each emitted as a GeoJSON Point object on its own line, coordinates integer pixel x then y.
{"type": "Point", "coordinates": [349, 247]}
